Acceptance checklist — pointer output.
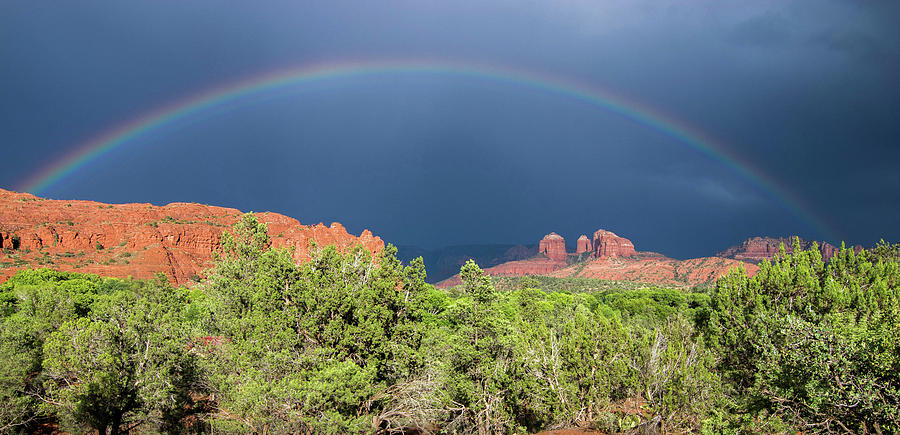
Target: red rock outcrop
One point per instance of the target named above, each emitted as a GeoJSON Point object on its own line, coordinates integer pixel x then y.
{"type": "Point", "coordinates": [140, 240]}
{"type": "Point", "coordinates": [583, 245]}
{"type": "Point", "coordinates": [553, 246]}
{"type": "Point", "coordinates": [764, 248]}
{"type": "Point", "coordinates": [652, 269]}
{"type": "Point", "coordinates": [614, 258]}
{"type": "Point", "coordinates": [655, 269]}
{"type": "Point", "coordinates": [608, 244]}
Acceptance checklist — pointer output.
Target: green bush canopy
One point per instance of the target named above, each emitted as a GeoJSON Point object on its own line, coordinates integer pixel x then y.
{"type": "Point", "coordinates": [348, 343]}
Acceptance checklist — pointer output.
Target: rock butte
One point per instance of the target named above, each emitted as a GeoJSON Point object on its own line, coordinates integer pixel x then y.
{"type": "Point", "coordinates": [553, 246]}
{"type": "Point", "coordinates": [140, 240]}
{"type": "Point", "coordinates": [608, 244]}
{"type": "Point", "coordinates": [583, 245]}
{"type": "Point", "coordinates": [613, 258]}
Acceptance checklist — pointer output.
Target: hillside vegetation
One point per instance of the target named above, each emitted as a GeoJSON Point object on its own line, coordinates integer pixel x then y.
{"type": "Point", "coordinates": [347, 343]}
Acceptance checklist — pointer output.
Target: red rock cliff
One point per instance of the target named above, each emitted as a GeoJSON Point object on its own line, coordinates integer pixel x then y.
{"type": "Point", "coordinates": [608, 244]}
{"type": "Point", "coordinates": [583, 245]}
{"type": "Point", "coordinates": [139, 240]}
{"type": "Point", "coordinates": [553, 246]}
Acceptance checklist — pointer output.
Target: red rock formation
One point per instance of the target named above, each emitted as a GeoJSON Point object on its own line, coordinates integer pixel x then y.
{"type": "Point", "coordinates": [764, 248]}
{"type": "Point", "coordinates": [140, 240]}
{"type": "Point", "coordinates": [614, 258]}
{"type": "Point", "coordinates": [583, 245]}
{"type": "Point", "coordinates": [608, 244]}
{"type": "Point", "coordinates": [655, 269]}
{"type": "Point", "coordinates": [553, 246]}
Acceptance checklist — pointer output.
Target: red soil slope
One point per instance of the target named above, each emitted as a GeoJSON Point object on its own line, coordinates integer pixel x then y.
{"type": "Point", "coordinates": [139, 240]}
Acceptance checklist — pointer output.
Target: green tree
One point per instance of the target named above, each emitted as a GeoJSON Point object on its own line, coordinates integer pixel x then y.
{"type": "Point", "coordinates": [812, 343]}
{"type": "Point", "coordinates": [478, 353]}
{"type": "Point", "coordinates": [124, 365]}
{"type": "Point", "coordinates": [568, 362]}
{"type": "Point", "coordinates": [314, 347]}
{"type": "Point", "coordinates": [33, 304]}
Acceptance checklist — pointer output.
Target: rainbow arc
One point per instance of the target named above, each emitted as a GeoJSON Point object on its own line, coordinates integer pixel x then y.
{"type": "Point", "coordinates": [239, 91]}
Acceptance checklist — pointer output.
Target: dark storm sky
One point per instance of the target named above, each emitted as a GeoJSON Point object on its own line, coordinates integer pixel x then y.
{"type": "Point", "coordinates": [807, 92]}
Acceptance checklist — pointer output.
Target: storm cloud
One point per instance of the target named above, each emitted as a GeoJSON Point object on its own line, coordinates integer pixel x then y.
{"type": "Point", "coordinates": [801, 93]}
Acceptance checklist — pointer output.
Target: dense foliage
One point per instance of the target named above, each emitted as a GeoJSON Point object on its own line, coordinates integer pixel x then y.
{"type": "Point", "coordinates": [80, 350]}
{"type": "Point", "coordinates": [812, 344]}
{"type": "Point", "coordinates": [347, 343]}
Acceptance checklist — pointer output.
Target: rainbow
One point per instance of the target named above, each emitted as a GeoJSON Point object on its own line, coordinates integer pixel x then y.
{"type": "Point", "coordinates": [238, 91]}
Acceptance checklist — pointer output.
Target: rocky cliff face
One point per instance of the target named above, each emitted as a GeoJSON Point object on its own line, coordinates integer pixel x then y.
{"type": "Point", "coordinates": [757, 249]}
{"type": "Point", "coordinates": [583, 245]}
{"type": "Point", "coordinates": [139, 240]}
{"type": "Point", "coordinates": [608, 244]}
{"type": "Point", "coordinates": [553, 246]}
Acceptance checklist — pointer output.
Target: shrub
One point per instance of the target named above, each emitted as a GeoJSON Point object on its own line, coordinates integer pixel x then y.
{"type": "Point", "coordinates": [811, 343]}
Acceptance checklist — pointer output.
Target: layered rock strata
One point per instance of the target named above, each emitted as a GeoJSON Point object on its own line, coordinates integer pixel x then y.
{"type": "Point", "coordinates": [140, 240]}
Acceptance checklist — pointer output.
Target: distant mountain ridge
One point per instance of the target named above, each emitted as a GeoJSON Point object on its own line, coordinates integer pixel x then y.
{"type": "Point", "coordinates": [139, 240]}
